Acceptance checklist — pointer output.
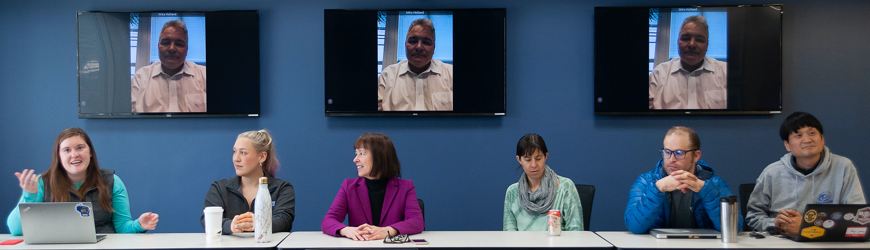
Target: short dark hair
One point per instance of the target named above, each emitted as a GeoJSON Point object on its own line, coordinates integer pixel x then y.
{"type": "Point", "coordinates": [530, 143]}
{"type": "Point", "coordinates": [385, 161]}
{"type": "Point", "coordinates": [796, 121]}
{"type": "Point", "coordinates": [694, 139]}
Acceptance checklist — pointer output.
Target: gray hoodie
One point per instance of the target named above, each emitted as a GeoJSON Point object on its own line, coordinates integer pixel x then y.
{"type": "Point", "coordinates": [780, 186]}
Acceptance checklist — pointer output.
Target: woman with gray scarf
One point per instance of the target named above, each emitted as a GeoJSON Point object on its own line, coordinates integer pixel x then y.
{"type": "Point", "coordinates": [539, 190]}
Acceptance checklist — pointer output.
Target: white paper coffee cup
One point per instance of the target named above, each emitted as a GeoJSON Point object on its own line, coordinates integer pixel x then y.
{"type": "Point", "coordinates": [213, 225]}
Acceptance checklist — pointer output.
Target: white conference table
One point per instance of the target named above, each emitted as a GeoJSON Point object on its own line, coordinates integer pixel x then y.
{"type": "Point", "coordinates": [455, 239]}
{"type": "Point", "coordinates": [159, 241]}
{"type": "Point", "coordinates": [626, 240]}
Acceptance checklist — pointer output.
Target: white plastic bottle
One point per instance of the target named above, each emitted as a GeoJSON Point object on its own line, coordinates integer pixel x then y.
{"type": "Point", "coordinates": [263, 212]}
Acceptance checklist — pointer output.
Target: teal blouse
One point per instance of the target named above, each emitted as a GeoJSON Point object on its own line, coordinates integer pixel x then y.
{"type": "Point", "coordinates": [567, 200]}
{"type": "Point", "coordinates": [124, 223]}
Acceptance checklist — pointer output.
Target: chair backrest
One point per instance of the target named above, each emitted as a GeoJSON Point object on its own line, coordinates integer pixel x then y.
{"type": "Point", "coordinates": [745, 191]}
{"type": "Point", "coordinates": [587, 195]}
{"type": "Point", "coordinates": [422, 211]}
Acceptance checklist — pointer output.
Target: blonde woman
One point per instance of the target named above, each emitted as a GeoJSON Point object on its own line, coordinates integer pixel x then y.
{"type": "Point", "coordinates": [253, 157]}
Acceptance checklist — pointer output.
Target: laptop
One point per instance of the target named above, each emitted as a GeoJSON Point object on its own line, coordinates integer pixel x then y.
{"type": "Point", "coordinates": [685, 233]}
{"type": "Point", "coordinates": [58, 222]}
{"type": "Point", "coordinates": [835, 222]}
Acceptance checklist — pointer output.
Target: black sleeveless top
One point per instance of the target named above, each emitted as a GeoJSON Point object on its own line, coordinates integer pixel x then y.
{"type": "Point", "coordinates": [102, 218]}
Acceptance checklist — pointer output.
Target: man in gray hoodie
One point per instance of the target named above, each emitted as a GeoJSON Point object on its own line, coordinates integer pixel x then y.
{"type": "Point", "coordinates": [809, 173]}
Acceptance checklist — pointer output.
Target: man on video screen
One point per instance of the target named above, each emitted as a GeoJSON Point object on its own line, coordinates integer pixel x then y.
{"type": "Point", "coordinates": [419, 83]}
{"type": "Point", "coordinates": [693, 81]}
{"type": "Point", "coordinates": [172, 84]}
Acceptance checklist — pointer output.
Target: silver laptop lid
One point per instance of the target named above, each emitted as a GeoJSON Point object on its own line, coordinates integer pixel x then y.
{"type": "Point", "coordinates": [57, 222]}
{"type": "Point", "coordinates": [685, 233]}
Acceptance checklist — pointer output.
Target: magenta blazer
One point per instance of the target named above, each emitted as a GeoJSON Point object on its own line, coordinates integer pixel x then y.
{"type": "Point", "coordinates": [400, 210]}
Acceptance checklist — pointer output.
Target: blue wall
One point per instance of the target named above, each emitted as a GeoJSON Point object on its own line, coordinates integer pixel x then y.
{"type": "Point", "coordinates": [460, 165]}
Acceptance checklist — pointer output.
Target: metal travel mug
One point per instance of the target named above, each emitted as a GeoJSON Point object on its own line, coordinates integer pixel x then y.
{"type": "Point", "coordinates": [729, 219]}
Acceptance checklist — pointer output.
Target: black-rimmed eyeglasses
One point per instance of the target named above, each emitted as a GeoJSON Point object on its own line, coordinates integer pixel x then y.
{"type": "Point", "coordinates": [679, 153]}
{"type": "Point", "coordinates": [397, 239]}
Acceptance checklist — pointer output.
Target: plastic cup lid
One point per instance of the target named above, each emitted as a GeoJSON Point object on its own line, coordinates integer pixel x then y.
{"type": "Point", "coordinates": [213, 210]}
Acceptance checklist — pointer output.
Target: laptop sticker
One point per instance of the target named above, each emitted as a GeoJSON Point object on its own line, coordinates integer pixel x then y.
{"type": "Point", "coordinates": [810, 216]}
{"type": "Point", "coordinates": [812, 232]}
{"type": "Point", "coordinates": [82, 210]}
{"type": "Point", "coordinates": [849, 216]}
{"type": "Point", "coordinates": [856, 232]}
{"type": "Point", "coordinates": [862, 216]}
{"type": "Point", "coordinates": [828, 224]}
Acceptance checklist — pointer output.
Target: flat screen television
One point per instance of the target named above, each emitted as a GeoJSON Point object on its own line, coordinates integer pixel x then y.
{"type": "Point", "coordinates": [713, 60]}
{"type": "Point", "coordinates": [414, 62]}
{"type": "Point", "coordinates": [153, 64]}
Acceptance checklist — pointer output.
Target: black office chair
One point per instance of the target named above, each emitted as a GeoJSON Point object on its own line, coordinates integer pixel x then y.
{"type": "Point", "coordinates": [422, 211]}
{"type": "Point", "coordinates": [745, 191]}
{"type": "Point", "coordinates": [587, 195]}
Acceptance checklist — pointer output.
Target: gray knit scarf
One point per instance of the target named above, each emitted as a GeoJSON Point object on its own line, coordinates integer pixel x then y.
{"type": "Point", "coordinates": [541, 200]}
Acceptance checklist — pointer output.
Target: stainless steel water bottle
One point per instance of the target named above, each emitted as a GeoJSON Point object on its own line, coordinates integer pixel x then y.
{"type": "Point", "coordinates": [729, 219]}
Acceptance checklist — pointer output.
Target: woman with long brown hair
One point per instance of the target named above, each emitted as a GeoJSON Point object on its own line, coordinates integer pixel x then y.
{"type": "Point", "coordinates": [75, 176]}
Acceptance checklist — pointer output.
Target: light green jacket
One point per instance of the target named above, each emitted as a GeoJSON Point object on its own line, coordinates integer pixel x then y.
{"type": "Point", "coordinates": [567, 201]}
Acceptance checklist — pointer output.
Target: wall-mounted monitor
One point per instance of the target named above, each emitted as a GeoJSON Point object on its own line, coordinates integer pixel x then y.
{"type": "Point", "coordinates": [168, 64]}
{"type": "Point", "coordinates": [414, 62]}
{"type": "Point", "coordinates": [700, 60]}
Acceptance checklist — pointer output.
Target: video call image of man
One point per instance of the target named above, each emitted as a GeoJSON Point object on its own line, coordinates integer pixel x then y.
{"type": "Point", "coordinates": [419, 83]}
{"type": "Point", "coordinates": [171, 84]}
{"type": "Point", "coordinates": [694, 80]}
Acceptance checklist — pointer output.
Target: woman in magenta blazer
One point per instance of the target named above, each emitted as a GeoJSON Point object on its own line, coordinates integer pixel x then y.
{"type": "Point", "coordinates": [377, 203]}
